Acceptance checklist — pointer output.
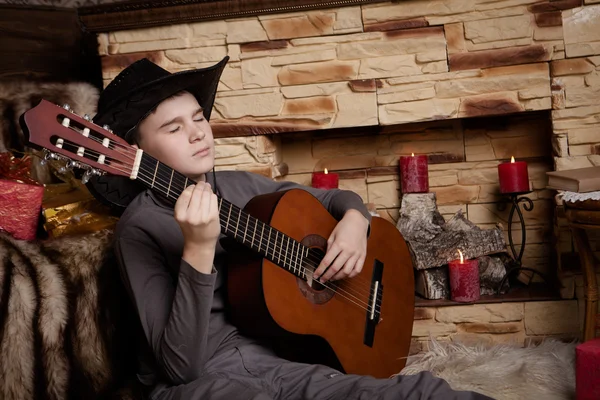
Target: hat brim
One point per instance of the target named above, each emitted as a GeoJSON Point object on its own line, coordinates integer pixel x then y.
{"type": "Point", "coordinates": [130, 108]}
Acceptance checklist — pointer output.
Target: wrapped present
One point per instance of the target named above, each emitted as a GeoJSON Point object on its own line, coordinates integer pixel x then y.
{"type": "Point", "coordinates": [587, 370]}
{"type": "Point", "coordinates": [20, 197]}
{"type": "Point", "coordinates": [80, 217]}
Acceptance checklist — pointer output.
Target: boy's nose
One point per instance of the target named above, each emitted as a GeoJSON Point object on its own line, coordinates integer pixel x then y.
{"type": "Point", "coordinates": [196, 134]}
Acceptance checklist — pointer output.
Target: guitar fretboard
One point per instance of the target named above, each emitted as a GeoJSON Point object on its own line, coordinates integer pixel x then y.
{"type": "Point", "coordinates": [272, 244]}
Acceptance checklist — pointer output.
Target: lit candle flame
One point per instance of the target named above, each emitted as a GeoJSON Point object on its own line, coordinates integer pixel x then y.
{"type": "Point", "coordinates": [326, 170]}
{"type": "Point", "coordinates": [413, 154]}
{"type": "Point", "coordinates": [462, 260]}
{"type": "Point", "coordinates": [512, 159]}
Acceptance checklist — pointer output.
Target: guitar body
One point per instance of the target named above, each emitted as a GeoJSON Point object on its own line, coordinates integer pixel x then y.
{"type": "Point", "coordinates": [270, 302]}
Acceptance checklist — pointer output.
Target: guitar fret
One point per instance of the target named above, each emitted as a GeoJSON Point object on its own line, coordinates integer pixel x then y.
{"type": "Point", "coordinates": [154, 176]}
{"type": "Point", "coordinates": [298, 263]}
{"type": "Point", "coordinates": [269, 241]}
{"type": "Point", "coordinates": [295, 266]}
{"type": "Point", "coordinates": [261, 236]}
{"type": "Point", "coordinates": [254, 234]}
{"type": "Point", "coordinates": [294, 263]}
{"type": "Point", "coordinates": [228, 216]}
{"type": "Point", "coordinates": [247, 223]}
{"type": "Point", "coordinates": [286, 252]}
{"type": "Point", "coordinates": [237, 225]}
{"type": "Point", "coordinates": [298, 260]}
{"type": "Point", "coordinates": [278, 255]}
{"type": "Point", "coordinates": [170, 181]}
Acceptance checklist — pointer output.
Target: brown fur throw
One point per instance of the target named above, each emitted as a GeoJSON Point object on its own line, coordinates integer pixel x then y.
{"type": "Point", "coordinates": [61, 307]}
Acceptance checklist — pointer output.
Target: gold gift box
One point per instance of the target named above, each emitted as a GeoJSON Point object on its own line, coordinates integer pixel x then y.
{"type": "Point", "coordinates": [77, 218]}
{"type": "Point", "coordinates": [84, 214]}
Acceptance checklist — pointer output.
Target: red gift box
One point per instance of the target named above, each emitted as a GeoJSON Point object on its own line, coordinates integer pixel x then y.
{"type": "Point", "coordinates": [587, 371]}
{"type": "Point", "coordinates": [20, 198]}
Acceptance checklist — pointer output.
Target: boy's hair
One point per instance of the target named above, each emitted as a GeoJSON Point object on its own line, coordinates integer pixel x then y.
{"type": "Point", "coordinates": [134, 137]}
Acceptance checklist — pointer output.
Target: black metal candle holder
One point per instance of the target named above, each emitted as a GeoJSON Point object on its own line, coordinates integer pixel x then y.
{"type": "Point", "coordinates": [517, 265]}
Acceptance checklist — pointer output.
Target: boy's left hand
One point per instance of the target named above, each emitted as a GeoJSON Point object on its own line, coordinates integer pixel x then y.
{"type": "Point", "coordinates": [346, 248]}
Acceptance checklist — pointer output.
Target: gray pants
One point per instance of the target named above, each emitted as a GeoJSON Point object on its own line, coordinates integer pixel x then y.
{"type": "Point", "coordinates": [252, 372]}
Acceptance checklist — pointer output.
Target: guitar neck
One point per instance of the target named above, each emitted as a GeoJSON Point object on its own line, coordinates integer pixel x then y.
{"type": "Point", "coordinates": [272, 244]}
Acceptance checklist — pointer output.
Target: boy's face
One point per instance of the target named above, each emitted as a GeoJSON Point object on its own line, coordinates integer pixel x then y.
{"type": "Point", "coordinates": [177, 134]}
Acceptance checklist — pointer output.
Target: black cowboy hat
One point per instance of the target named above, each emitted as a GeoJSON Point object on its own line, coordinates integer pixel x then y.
{"type": "Point", "coordinates": [129, 98]}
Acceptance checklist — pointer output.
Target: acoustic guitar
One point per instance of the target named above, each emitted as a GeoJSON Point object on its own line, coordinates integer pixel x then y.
{"type": "Point", "coordinates": [366, 321]}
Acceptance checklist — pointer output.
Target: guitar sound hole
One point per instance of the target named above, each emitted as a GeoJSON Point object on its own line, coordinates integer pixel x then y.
{"type": "Point", "coordinates": [317, 286]}
{"type": "Point", "coordinates": [312, 290]}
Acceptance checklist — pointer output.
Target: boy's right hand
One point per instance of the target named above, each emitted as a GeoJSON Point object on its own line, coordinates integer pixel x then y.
{"type": "Point", "coordinates": [197, 213]}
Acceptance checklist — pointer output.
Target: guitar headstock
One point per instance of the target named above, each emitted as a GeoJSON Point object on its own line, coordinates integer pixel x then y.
{"type": "Point", "coordinates": [67, 136]}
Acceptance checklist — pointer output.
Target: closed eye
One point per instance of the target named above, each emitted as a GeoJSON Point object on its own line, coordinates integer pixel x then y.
{"type": "Point", "coordinates": [174, 130]}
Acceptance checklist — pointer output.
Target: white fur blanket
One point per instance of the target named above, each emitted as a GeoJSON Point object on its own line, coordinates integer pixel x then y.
{"type": "Point", "coordinates": [503, 372]}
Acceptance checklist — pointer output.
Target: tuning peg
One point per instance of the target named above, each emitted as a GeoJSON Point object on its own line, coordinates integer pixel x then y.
{"type": "Point", "coordinates": [87, 117]}
{"type": "Point", "coordinates": [89, 173]}
{"type": "Point", "coordinates": [86, 176]}
{"type": "Point", "coordinates": [67, 107]}
{"type": "Point", "coordinates": [73, 164]}
{"type": "Point", "coordinates": [106, 127]}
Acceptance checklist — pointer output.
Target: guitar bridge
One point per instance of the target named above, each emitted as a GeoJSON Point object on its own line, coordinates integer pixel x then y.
{"type": "Point", "coordinates": [373, 313]}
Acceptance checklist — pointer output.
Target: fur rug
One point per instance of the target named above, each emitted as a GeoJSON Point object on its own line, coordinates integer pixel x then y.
{"type": "Point", "coordinates": [59, 313]}
{"type": "Point", "coordinates": [503, 372]}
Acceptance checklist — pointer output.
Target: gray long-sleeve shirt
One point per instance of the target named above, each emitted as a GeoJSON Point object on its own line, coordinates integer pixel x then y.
{"type": "Point", "coordinates": [182, 310]}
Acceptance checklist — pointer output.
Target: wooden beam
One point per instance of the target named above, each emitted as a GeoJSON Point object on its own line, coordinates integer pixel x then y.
{"type": "Point", "coordinates": [143, 14]}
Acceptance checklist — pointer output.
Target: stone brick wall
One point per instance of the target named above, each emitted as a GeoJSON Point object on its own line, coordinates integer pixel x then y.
{"type": "Point", "coordinates": [511, 323]}
{"type": "Point", "coordinates": [365, 84]}
{"type": "Point", "coordinates": [463, 172]}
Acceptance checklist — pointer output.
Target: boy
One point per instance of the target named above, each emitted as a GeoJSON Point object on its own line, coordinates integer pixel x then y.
{"type": "Point", "coordinates": [172, 262]}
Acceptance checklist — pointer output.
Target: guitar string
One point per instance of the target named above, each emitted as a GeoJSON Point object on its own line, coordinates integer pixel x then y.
{"type": "Point", "coordinates": [358, 283]}
{"type": "Point", "coordinates": [344, 283]}
{"type": "Point", "coordinates": [344, 294]}
{"type": "Point", "coordinates": [350, 286]}
{"type": "Point", "coordinates": [244, 231]}
{"type": "Point", "coordinates": [129, 151]}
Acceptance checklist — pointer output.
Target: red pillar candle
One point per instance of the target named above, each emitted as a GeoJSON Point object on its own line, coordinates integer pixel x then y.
{"type": "Point", "coordinates": [464, 280]}
{"type": "Point", "coordinates": [513, 176]}
{"type": "Point", "coordinates": [587, 370]}
{"type": "Point", "coordinates": [325, 180]}
{"type": "Point", "coordinates": [414, 176]}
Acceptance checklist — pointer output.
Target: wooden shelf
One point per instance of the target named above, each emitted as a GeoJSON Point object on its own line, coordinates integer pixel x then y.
{"type": "Point", "coordinates": [534, 292]}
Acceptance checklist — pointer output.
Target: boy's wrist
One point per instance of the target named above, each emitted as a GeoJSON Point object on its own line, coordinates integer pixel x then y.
{"type": "Point", "coordinates": [358, 216]}
{"type": "Point", "coordinates": [355, 213]}
{"type": "Point", "coordinates": [199, 256]}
